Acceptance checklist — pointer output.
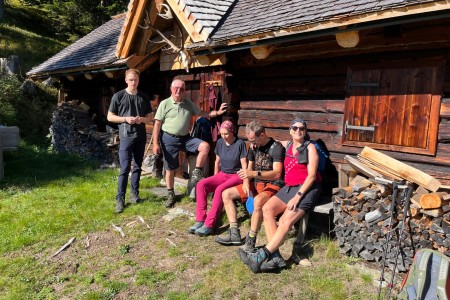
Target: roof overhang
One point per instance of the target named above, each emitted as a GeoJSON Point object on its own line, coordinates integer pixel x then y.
{"type": "Point", "coordinates": [79, 71]}
{"type": "Point", "coordinates": [422, 12]}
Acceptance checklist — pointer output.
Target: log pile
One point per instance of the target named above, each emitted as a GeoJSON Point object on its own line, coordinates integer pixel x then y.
{"type": "Point", "coordinates": [362, 212]}
{"type": "Point", "coordinates": [73, 131]}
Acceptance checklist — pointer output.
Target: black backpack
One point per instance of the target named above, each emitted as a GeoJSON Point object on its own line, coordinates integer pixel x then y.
{"type": "Point", "coordinates": [202, 130]}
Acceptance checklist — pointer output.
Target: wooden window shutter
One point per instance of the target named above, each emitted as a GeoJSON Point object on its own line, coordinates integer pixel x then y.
{"type": "Point", "coordinates": [394, 108]}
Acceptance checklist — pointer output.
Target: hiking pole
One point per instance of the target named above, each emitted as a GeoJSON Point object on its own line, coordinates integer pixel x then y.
{"type": "Point", "coordinates": [405, 213]}
{"type": "Point", "coordinates": [388, 237]}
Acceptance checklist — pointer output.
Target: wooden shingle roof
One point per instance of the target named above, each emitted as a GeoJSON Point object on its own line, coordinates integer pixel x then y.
{"type": "Point", "coordinates": [251, 22]}
{"type": "Point", "coordinates": [204, 15]}
{"type": "Point", "coordinates": [250, 17]}
{"type": "Point", "coordinates": [95, 51]}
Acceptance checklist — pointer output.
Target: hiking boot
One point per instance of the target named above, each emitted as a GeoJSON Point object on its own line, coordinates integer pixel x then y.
{"type": "Point", "coordinates": [120, 205]}
{"type": "Point", "coordinates": [194, 227]}
{"type": "Point", "coordinates": [233, 237]}
{"type": "Point", "coordinates": [170, 202]}
{"type": "Point", "coordinates": [249, 243]}
{"type": "Point", "coordinates": [197, 175]}
{"type": "Point", "coordinates": [134, 198]}
{"type": "Point", "coordinates": [192, 194]}
{"type": "Point", "coordinates": [253, 259]}
{"type": "Point", "coordinates": [275, 262]}
{"type": "Point", "coordinates": [203, 231]}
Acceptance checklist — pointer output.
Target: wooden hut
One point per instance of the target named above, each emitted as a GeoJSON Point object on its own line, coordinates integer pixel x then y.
{"type": "Point", "coordinates": [359, 72]}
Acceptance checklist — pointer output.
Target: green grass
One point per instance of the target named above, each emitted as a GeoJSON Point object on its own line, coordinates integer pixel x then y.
{"type": "Point", "coordinates": [26, 32]}
{"type": "Point", "coordinates": [46, 199]}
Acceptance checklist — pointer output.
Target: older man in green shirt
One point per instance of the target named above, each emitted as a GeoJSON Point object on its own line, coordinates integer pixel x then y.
{"type": "Point", "coordinates": [171, 134]}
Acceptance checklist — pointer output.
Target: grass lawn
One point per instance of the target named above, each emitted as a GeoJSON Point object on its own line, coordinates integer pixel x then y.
{"type": "Point", "coordinates": [47, 199]}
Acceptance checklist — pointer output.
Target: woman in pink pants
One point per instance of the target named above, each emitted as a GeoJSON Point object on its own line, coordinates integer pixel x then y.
{"type": "Point", "coordinates": [231, 156]}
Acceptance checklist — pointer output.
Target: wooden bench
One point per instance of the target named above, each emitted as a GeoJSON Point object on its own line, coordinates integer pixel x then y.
{"type": "Point", "coordinates": [345, 174]}
{"type": "Point", "coordinates": [325, 207]}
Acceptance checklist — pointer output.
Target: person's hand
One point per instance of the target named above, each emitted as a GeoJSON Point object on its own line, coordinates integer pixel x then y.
{"type": "Point", "coordinates": [246, 188]}
{"type": "Point", "coordinates": [156, 148]}
{"type": "Point", "coordinates": [243, 174]}
{"type": "Point", "coordinates": [292, 204]}
{"type": "Point", "coordinates": [137, 120]}
{"type": "Point", "coordinates": [223, 108]}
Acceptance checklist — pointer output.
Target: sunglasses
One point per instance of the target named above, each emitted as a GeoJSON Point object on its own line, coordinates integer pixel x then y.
{"type": "Point", "coordinates": [295, 128]}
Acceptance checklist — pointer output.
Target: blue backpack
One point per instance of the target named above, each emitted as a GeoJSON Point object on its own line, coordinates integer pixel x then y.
{"type": "Point", "coordinates": [324, 155]}
{"type": "Point", "coordinates": [324, 161]}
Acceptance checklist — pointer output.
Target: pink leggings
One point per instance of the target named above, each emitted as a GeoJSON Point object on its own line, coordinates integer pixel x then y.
{"type": "Point", "coordinates": [217, 184]}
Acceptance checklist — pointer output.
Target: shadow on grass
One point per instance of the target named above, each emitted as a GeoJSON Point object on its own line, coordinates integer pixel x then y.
{"type": "Point", "coordinates": [31, 167]}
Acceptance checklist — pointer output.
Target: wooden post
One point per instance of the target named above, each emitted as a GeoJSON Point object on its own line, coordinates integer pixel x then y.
{"type": "Point", "coordinates": [346, 174]}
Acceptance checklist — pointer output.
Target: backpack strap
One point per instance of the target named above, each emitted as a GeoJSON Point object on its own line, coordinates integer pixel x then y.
{"type": "Point", "coordinates": [289, 144]}
{"type": "Point", "coordinates": [442, 279]}
{"type": "Point", "coordinates": [422, 273]}
{"type": "Point", "coordinates": [270, 151]}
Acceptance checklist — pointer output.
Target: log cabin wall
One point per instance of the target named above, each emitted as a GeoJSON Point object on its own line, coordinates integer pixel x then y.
{"type": "Point", "coordinates": [307, 79]}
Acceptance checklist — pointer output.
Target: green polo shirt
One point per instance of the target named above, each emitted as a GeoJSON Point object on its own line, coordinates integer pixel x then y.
{"type": "Point", "coordinates": [175, 117]}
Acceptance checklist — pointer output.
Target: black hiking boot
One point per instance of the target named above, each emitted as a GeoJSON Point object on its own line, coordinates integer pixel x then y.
{"type": "Point", "coordinates": [170, 202]}
{"type": "Point", "coordinates": [249, 244]}
{"type": "Point", "coordinates": [120, 205]}
{"type": "Point", "coordinates": [134, 198]}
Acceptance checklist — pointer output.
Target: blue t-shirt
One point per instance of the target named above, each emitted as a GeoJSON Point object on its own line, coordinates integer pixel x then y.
{"type": "Point", "coordinates": [230, 156]}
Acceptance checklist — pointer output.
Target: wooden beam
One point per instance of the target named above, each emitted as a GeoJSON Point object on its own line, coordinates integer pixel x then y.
{"type": "Point", "coordinates": [208, 60]}
{"type": "Point", "coordinates": [186, 22]}
{"type": "Point", "coordinates": [109, 74]}
{"type": "Point", "coordinates": [133, 26]}
{"type": "Point", "coordinates": [355, 164]}
{"type": "Point", "coordinates": [153, 14]}
{"type": "Point", "coordinates": [406, 171]}
{"type": "Point", "coordinates": [70, 77]}
{"type": "Point", "coordinates": [348, 39]}
{"type": "Point", "coordinates": [89, 76]}
{"type": "Point", "coordinates": [262, 52]}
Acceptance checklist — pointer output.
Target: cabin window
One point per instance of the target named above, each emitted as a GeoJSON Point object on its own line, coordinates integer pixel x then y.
{"type": "Point", "coordinates": [394, 109]}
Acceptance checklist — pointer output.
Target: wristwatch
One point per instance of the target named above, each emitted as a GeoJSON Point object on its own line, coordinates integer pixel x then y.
{"type": "Point", "coordinates": [259, 174]}
{"type": "Point", "coordinates": [300, 194]}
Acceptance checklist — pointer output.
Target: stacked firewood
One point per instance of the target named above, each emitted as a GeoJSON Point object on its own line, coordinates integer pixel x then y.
{"type": "Point", "coordinates": [73, 131]}
{"type": "Point", "coordinates": [367, 225]}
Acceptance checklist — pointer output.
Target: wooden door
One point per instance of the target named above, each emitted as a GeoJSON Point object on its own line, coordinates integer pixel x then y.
{"type": "Point", "coordinates": [395, 109]}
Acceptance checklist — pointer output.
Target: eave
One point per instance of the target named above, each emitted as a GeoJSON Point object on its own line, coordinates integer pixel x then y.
{"type": "Point", "coordinates": [339, 24]}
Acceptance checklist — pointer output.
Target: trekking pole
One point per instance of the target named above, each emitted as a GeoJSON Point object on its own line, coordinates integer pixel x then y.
{"type": "Point", "coordinates": [388, 237]}
{"type": "Point", "coordinates": [405, 213]}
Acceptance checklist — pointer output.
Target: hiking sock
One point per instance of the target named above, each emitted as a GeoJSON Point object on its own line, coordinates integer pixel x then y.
{"type": "Point", "coordinates": [267, 252]}
{"type": "Point", "coordinates": [234, 225]}
{"type": "Point", "coordinates": [199, 168]}
{"type": "Point", "coordinates": [252, 233]}
{"type": "Point", "coordinates": [171, 190]}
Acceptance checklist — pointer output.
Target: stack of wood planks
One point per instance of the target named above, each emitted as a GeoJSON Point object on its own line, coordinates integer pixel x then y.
{"type": "Point", "coordinates": [362, 211]}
